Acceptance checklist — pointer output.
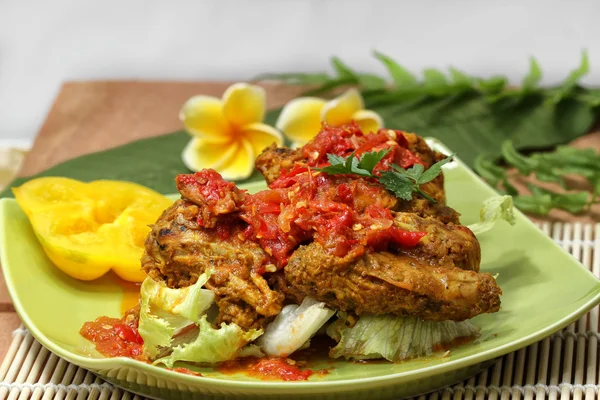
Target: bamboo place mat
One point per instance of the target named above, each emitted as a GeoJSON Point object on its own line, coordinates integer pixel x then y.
{"type": "Point", "coordinates": [564, 365]}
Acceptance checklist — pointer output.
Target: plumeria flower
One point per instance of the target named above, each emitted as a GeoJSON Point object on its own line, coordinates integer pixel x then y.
{"type": "Point", "coordinates": [228, 133]}
{"type": "Point", "coordinates": [301, 118]}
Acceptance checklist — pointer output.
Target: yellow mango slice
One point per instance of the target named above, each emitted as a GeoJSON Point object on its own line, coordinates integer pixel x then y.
{"type": "Point", "coordinates": [87, 229]}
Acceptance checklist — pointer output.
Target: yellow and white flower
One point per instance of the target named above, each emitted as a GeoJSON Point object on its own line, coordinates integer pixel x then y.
{"type": "Point", "coordinates": [228, 133]}
{"type": "Point", "coordinates": [301, 119]}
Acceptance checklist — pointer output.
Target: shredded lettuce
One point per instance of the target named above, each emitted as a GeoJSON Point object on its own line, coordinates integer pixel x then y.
{"type": "Point", "coordinates": [156, 332]}
{"type": "Point", "coordinates": [189, 302]}
{"type": "Point", "coordinates": [393, 338]}
{"type": "Point", "coordinates": [175, 327]}
{"type": "Point", "coordinates": [164, 312]}
{"type": "Point", "coordinates": [212, 345]}
{"type": "Point", "coordinates": [293, 327]}
{"type": "Point", "coordinates": [494, 209]}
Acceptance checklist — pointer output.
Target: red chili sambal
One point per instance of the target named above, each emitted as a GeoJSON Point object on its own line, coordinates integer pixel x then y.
{"type": "Point", "coordinates": [114, 337]}
{"type": "Point", "coordinates": [270, 368]}
{"type": "Point", "coordinates": [341, 213]}
{"type": "Point", "coordinates": [344, 213]}
{"type": "Point", "coordinates": [345, 140]}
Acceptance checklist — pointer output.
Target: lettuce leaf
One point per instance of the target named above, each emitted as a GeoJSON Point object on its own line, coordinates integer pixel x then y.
{"type": "Point", "coordinates": [293, 327]}
{"type": "Point", "coordinates": [156, 332]}
{"type": "Point", "coordinates": [393, 338]}
{"type": "Point", "coordinates": [189, 302]}
{"type": "Point", "coordinates": [164, 312]}
{"type": "Point", "coordinates": [494, 209]}
{"type": "Point", "coordinates": [212, 345]}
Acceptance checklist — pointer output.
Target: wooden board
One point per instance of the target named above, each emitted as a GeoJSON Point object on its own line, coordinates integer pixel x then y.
{"type": "Point", "coordinates": [91, 116]}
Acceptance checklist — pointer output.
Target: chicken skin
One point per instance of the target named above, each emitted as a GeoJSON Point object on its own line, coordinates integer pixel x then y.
{"type": "Point", "coordinates": [387, 283]}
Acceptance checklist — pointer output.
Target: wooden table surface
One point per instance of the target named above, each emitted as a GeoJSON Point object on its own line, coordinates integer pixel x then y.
{"type": "Point", "coordinates": [92, 116]}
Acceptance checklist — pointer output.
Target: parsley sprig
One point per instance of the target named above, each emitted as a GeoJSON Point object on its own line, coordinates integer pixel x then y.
{"type": "Point", "coordinates": [404, 183]}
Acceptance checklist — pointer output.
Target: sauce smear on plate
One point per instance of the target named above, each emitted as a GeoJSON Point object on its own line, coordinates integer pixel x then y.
{"type": "Point", "coordinates": [269, 368]}
{"type": "Point", "coordinates": [114, 337]}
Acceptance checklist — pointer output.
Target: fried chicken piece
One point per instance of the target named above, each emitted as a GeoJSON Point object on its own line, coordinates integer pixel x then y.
{"type": "Point", "coordinates": [179, 249]}
{"type": "Point", "coordinates": [447, 245]}
{"type": "Point", "coordinates": [213, 195]}
{"type": "Point", "coordinates": [386, 283]}
{"type": "Point", "coordinates": [273, 161]}
{"type": "Point", "coordinates": [278, 282]}
{"type": "Point", "coordinates": [419, 146]}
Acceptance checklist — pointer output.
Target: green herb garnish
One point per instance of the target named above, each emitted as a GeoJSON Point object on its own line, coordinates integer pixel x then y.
{"type": "Point", "coordinates": [404, 183]}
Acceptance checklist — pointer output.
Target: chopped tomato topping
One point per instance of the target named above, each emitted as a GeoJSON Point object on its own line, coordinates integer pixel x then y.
{"type": "Point", "coordinates": [114, 337]}
{"type": "Point", "coordinates": [343, 141]}
{"type": "Point", "coordinates": [341, 212]}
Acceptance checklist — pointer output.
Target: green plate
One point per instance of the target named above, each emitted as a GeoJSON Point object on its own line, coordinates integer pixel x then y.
{"type": "Point", "coordinates": [544, 288]}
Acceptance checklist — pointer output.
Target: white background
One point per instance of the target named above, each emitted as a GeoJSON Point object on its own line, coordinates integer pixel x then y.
{"type": "Point", "coordinates": [43, 43]}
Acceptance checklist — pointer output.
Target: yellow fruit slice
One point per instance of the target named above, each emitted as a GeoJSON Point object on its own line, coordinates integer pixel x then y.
{"type": "Point", "coordinates": [87, 229]}
{"type": "Point", "coordinates": [41, 193]}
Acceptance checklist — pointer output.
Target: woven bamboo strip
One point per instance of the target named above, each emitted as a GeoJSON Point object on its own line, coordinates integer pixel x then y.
{"type": "Point", "coordinates": [15, 367]}
{"type": "Point", "coordinates": [544, 368]}
{"type": "Point", "coordinates": [46, 375]}
{"type": "Point", "coordinates": [456, 394]}
{"type": "Point", "coordinates": [507, 372]}
{"type": "Point", "coordinates": [34, 373]}
{"type": "Point", "coordinates": [470, 394]}
{"type": "Point", "coordinates": [57, 378]}
{"type": "Point", "coordinates": [7, 364]}
{"type": "Point", "coordinates": [82, 394]}
{"type": "Point", "coordinates": [520, 372]}
{"type": "Point", "coordinates": [66, 380]}
{"type": "Point", "coordinates": [495, 380]}
{"type": "Point", "coordinates": [482, 382]}
{"type": "Point", "coordinates": [104, 393]}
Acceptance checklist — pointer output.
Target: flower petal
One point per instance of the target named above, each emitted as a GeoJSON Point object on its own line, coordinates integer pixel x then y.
{"type": "Point", "coordinates": [200, 154]}
{"type": "Point", "coordinates": [339, 111]}
{"type": "Point", "coordinates": [368, 121]}
{"type": "Point", "coordinates": [244, 104]}
{"type": "Point", "coordinates": [241, 165]}
{"type": "Point", "coordinates": [300, 119]}
{"type": "Point", "coordinates": [261, 136]}
{"type": "Point", "coordinates": [203, 117]}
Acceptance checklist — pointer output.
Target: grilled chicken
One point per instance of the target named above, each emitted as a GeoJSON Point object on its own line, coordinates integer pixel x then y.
{"type": "Point", "coordinates": [340, 239]}
{"type": "Point", "coordinates": [386, 283]}
{"type": "Point", "coordinates": [179, 250]}
{"type": "Point", "coordinates": [448, 245]}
